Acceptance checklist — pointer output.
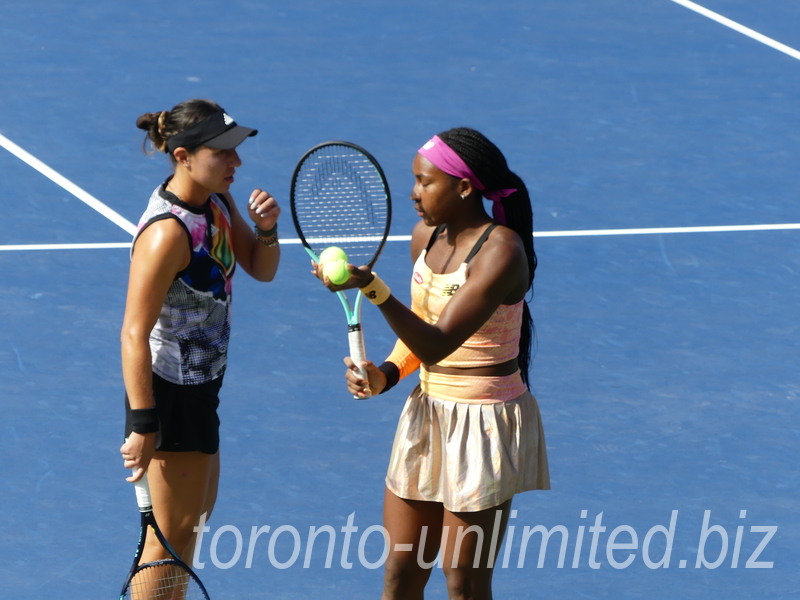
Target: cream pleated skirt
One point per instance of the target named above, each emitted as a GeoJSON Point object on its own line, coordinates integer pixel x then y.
{"type": "Point", "coordinates": [467, 456]}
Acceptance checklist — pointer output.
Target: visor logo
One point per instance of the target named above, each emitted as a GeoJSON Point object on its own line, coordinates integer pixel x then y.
{"type": "Point", "coordinates": [228, 120]}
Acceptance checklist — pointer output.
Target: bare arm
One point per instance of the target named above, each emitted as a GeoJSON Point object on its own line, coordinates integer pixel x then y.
{"type": "Point", "coordinates": [161, 251]}
{"type": "Point", "coordinates": [497, 274]}
{"type": "Point", "coordinates": [258, 260]}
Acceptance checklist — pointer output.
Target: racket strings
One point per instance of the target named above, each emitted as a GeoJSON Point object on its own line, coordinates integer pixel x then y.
{"type": "Point", "coordinates": [164, 582]}
{"type": "Point", "coordinates": [349, 180]}
{"type": "Point", "coordinates": [340, 199]}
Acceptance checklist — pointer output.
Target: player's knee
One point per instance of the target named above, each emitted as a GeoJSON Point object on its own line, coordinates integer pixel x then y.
{"type": "Point", "coordinates": [179, 534]}
{"type": "Point", "coordinates": [402, 576]}
{"type": "Point", "coordinates": [467, 584]}
{"type": "Point", "coordinates": [457, 587]}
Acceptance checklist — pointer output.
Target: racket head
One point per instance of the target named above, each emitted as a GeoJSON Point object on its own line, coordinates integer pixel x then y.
{"type": "Point", "coordinates": [339, 197]}
{"type": "Point", "coordinates": [162, 579]}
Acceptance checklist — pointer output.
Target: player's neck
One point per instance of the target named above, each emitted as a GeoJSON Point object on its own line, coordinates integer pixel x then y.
{"type": "Point", "coordinates": [187, 189]}
{"type": "Point", "coordinates": [466, 225]}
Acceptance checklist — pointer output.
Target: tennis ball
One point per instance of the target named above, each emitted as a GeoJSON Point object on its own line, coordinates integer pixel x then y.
{"type": "Point", "coordinates": [336, 271]}
{"type": "Point", "coordinates": [332, 253]}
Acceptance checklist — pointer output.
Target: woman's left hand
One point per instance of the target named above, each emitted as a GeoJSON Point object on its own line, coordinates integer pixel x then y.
{"type": "Point", "coordinates": [263, 209]}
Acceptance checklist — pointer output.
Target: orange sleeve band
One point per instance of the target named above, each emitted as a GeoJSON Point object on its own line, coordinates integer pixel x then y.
{"type": "Point", "coordinates": [403, 359]}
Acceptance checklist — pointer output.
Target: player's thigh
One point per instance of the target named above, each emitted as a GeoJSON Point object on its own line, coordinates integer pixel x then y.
{"type": "Point", "coordinates": [410, 523]}
{"type": "Point", "coordinates": [180, 484]}
{"type": "Point", "coordinates": [212, 487]}
{"type": "Point", "coordinates": [470, 549]}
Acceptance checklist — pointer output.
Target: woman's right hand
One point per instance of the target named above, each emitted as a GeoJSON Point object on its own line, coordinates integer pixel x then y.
{"type": "Point", "coordinates": [137, 451]}
{"type": "Point", "coordinates": [359, 277]}
{"type": "Point", "coordinates": [357, 386]}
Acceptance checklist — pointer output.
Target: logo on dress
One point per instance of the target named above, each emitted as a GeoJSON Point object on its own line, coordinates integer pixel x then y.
{"type": "Point", "coordinates": [450, 289]}
{"type": "Point", "coordinates": [228, 120]}
{"type": "Point", "coordinates": [417, 277]}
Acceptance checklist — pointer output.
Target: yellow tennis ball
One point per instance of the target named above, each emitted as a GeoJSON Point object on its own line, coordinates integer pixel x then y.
{"type": "Point", "coordinates": [336, 271]}
{"type": "Point", "coordinates": [332, 253]}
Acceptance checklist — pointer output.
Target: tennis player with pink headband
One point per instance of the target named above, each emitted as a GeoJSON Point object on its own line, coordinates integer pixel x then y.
{"type": "Point", "coordinates": [470, 435]}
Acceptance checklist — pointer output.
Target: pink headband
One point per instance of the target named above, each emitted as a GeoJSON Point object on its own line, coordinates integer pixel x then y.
{"type": "Point", "coordinates": [444, 158]}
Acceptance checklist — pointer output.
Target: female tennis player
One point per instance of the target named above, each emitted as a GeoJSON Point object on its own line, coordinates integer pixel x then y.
{"type": "Point", "coordinates": [470, 436]}
{"type": "Point", "coordinates": [177, 317]}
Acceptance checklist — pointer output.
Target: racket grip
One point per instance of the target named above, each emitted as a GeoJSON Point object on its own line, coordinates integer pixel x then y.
{"type": "Point", "coordinates": [356, 338]}
{"type": "Point", "coordinates": [143, 494]}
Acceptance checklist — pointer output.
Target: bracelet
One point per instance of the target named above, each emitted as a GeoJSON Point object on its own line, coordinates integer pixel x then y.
{"type": "Point", "coordinates": [269, 238]}
{"type": "Point", "coordinates": [144, 420]}
{"type": "Point", "coordinates": [376, 291]}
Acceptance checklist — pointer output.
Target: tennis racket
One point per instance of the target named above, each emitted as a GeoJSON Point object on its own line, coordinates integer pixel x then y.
{"type": "Point", "coordinates": [339, 197]}
{"type": "Point", "coordinates": [168, 579]}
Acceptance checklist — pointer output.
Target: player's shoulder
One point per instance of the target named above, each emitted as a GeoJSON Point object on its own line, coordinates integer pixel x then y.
{"type": "Point", "coordinates": [420, 236]}
{"type": "Point", "coordinates": [162, 235]}
{"type": "Point", "coordinates": [164, 247]}
{"type": "Point", "coordinates": [502, 246]}
{"type": "Point", "coordinates": [505, 236]}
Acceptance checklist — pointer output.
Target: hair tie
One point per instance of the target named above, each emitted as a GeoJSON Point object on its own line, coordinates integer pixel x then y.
{"type": "Point", "coordinates": [162, 118]}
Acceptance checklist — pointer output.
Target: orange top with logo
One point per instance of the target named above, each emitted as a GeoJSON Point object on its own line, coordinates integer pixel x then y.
{"type": "Point", "coordinates": [496, 342]}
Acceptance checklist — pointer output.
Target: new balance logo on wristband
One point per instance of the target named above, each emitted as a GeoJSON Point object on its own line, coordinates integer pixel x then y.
{"type": "Point", "coordinates": [372, 295]}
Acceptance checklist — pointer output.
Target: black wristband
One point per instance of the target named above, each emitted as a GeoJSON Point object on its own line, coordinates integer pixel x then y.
{"type": "Point", "coordinates": [268, 238]}
{"type": "Point", "coordinates": [392, 375]}
{"type": "Point", "coordinates": [261, 233]}
{"type": "Point", "coordinates": [144, 420]}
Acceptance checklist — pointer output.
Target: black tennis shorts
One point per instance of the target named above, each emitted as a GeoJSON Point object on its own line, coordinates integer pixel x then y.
{"type": "Point", "coordinates": [187, 416]}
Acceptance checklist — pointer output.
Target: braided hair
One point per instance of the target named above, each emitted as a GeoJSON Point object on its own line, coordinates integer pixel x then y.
{"type": "Point", "coordinates": [490, 167]}
{"type": "Point", "coordinates": [163, 125]}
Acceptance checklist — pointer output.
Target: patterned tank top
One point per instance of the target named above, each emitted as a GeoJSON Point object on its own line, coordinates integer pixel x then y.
{"type": "Point", "coordinates": [189, 343]}
{"type": "Point", "coordinates": [497, 340]}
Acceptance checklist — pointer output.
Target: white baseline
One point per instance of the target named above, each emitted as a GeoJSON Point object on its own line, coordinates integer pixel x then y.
{"type": "Point", "coordinates": [740, 28]}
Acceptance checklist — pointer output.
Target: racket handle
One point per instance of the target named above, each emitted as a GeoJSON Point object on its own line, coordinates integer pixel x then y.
{"type": "Point", "coordinates": [356, 338]}
{"type": "Point", "coordinates": [143, 494]}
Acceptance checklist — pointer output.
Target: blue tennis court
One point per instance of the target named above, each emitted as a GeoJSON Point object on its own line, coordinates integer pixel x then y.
{"type": "Point", "coordinates": [659, 144]}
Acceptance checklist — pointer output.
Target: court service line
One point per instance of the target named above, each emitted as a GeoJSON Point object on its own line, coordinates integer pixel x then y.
{"type": "Point", "coordinates": [65, 183]}
{"type": "Point", "coordinates": [740, 28]}
{"type": "Point", "coordinates": [537, 234]}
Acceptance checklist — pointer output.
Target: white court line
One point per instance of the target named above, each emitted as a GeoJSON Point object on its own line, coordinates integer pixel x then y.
{"type": "Point", "coordinates": [740, 28]}
{"type": "Point", "coordinates": [65, 246]}
{"type": "Point", "coordinates": [65, 183]}
{"type": "Point", "coordinates": [659, 230]}
{"type": "Point", "coordinates": [537, 234]}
